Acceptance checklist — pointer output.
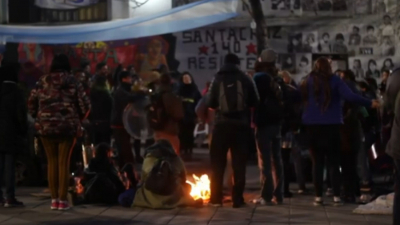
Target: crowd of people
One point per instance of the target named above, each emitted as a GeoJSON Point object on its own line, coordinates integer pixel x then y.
{"type": "Point", "coordinates": [331, 115]}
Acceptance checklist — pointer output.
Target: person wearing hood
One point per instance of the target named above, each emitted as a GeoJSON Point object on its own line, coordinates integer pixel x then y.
{"type": "Point", "coordinates": [13, 131]}
{"type": "Point", "coordinates": [101, 101]}
{"type": "Point", "coordinates": [121, 98]}
{"type": "Point", "coordinates": [59, 104]}
{"type": "Point", "coordinates": [392, 107]}
{"type": "Point", "coordinates": [232, 95]}
{"type": "Point", "coordinates": [190, 95]}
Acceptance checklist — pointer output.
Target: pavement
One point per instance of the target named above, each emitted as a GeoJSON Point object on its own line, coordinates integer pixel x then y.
{"type": "Point", "coordinates": [296, 211]}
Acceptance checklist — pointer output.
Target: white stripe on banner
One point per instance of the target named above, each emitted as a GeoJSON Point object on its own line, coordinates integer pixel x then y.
{"type": "Point", "coordinates": [182, 18]}
{"type": "Point", "coordinates": [64, 4]}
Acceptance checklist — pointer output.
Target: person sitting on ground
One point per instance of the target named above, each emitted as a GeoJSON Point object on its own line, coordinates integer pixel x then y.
{"type": "Point", "coordinates": [102, 181]}
{"type": "Point", "coordinates": [163, 179]}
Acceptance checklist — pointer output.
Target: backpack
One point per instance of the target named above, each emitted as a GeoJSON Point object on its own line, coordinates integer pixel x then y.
{"type": "Point", "coordinates": [156, 114]}
{"type": "Point", "coordinates": [161, 180]}
{"type": "Point", "coordinates": [231, 96]}
{"type": "Point", "coordinates": [274, 103]}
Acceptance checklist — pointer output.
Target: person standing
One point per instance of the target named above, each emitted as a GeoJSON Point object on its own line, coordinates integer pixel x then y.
{"type": "Point", "coordinates": [13, 131]}
{"type": "Point", "coordinates": [392, 106]}
{"type": "Point", "coordinates": [190, 95]}
{"type": "Point", "coordinates": [322, 95]}
{"type": "Point", "coordinates": [232, 94]}
{"type": "Point", "coordinates": [121, 98]}
{"type": "Point", "coordinates": [101, 101]}
{"type": "Point", "coordinates": [268, 120]}
{"type": "Point", "coordinates": [58, 104]}
{"type": "Point", "coordinates": [167, 112]}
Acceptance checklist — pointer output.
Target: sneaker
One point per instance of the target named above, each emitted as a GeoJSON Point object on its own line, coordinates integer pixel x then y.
{"type": "Point", "coordinates": [337, 201]}
{"type": "Point", "coordinates": [13, 203]}
{"type": "Point", "coordinates": [54, 204]}
{"type": "Point", "coordinates": [302, 191]}
{"type": "Point", "coordinates": [239, 205]}
{"type": "Point", "coordinates": [261, 201]}
{"type": "Point", "coordinates": [63, 205]}
{"type": "Point", "coordinates": [318, 201]}
{"type": "Point", "coordinates": [329, 192]}
{"type": "Point", "coordinates": [216, 205]}
{"type": "Point", "coordinates": [365, 198]}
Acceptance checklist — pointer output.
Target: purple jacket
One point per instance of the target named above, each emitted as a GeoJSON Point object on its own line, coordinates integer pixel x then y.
{"type": "Point", "coordinates": [313, 113]}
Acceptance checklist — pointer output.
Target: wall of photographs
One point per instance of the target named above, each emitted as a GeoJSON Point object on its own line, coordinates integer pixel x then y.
{"type": "Point", "coordinates": [367, 44]}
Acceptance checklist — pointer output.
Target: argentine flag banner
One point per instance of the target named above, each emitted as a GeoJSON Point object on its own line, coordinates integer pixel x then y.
{"type": "Point", "coordinates": [64, 4]}
{"type": "Point", "coordinates": [186, 17]}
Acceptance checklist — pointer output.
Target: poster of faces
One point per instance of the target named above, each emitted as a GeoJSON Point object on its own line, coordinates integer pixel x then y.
{"type": "Point", "coordinates": [371, 66]}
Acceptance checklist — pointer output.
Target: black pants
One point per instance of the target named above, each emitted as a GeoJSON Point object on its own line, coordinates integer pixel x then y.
{"type": "Point", "coordinates": [7, 174]}
{"type": "Point", "coordinates": [124, 147]}
{"type": "Point", "coordinates": [76, 162]}
{"type": "Point", "coordinates": [234, 137]}
{"type": "Point", "coordinates": [186, 136]}
{"type": "Point", "coordinates": [351, 144]}
{"type": "Point", "coordinates": [101, 133]}
{"type": "Point", "coordinates": [287, 172]}
{"type": "Point", "coordinates": [325, 144]}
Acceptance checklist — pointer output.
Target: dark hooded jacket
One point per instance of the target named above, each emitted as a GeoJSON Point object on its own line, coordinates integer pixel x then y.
{"type": "Point", "coordinates": [190, 96]}
{"type": "Point", "coordinates": [392, 106]}
{"type": "Point", "coordinates": [101, 100]}
{"type": "Point", "coordinates": [13, 117]}
{"type": "Point", "coordinates": [230, 72]}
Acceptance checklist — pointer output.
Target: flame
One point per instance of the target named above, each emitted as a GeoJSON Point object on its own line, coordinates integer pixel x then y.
{"type": "Point", "coordinates": [200, 187]}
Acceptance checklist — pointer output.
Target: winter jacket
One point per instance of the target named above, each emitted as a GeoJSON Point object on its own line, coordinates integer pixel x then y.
{"type": "Point", "coordinates": [101, 101]}
{"type": "Point", "coordinates": [173, 107]}
{"type": "Point", "coordinates": [313, 113]}
{"type": "Point", "coordinates": [228, 72]}
{"type": "Point", "coordinates": [392, 100]}
{"type": "Point", "coordinates": [58, 104]}
{"type": "Point", "coordinates": [13, 119]}
{"type": "Point", "coordinates": [190, 96]}
{"type": "Point", "coordinates": [181, 197]}
{"type": "Point", "coordinates": [122, 96]}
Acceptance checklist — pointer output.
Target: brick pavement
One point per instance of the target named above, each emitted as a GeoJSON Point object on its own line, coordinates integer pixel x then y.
{"type": "Point", "coordinates": [295, 211]}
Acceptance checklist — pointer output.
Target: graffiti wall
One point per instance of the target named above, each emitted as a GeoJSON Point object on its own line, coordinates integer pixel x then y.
{"type": "Point", "coordinates": [144, 54]}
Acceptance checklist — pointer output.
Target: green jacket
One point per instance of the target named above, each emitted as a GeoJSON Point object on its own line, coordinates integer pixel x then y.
{"type": "Point", "coordinates": [147, 199]}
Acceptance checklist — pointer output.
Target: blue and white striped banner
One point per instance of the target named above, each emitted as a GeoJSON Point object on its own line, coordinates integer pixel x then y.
{"type": "Point", "coordinates": [182, 18]}
{"type": "Point", "coordinates": [64, 4]}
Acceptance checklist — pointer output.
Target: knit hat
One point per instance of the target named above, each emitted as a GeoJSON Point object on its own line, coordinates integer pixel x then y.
{"type": "Point", "coordinates": [268, 55]}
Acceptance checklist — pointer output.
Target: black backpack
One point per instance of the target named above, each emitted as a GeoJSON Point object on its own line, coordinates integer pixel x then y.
{"type": "Point", "coordinates": [156, 114]}
{"type": "Point", "coordinates": [232, 94]}
{"type": "Point", "coordinates": [274, 103]}
{"type": "Point", "coordinates": [161, 180]}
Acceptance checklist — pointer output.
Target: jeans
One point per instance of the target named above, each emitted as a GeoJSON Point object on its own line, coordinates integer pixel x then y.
{"type": "Point", "coordinates": [7, 174]}
{"type": "Point", "coordinates": [58, 151]}
{"type": "Point", "coordinates": [396, 202]}
{"type": "Point", "coordinates": [234, 137]}
{"type": "Point", "coordinates": [325, 145]}
{"type": "Point", "coordinates": [294, 150]}
{"type": "Point", "coordinates": [269, 151]}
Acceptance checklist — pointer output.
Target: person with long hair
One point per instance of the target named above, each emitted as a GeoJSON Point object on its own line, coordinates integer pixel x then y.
{"type": "Point", "coordinates": [190, 95]}
{"type": "Point", "coordinates": [322, 95]}
{"type": "Point", "coordinates": [58, 104]}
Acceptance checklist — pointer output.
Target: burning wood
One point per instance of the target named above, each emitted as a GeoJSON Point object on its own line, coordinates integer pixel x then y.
{"type": "Point", "coordinates": [200, 187]}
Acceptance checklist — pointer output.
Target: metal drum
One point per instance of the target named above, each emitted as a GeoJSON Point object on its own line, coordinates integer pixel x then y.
{"type": "Point", "coordinates": [135, 120]}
